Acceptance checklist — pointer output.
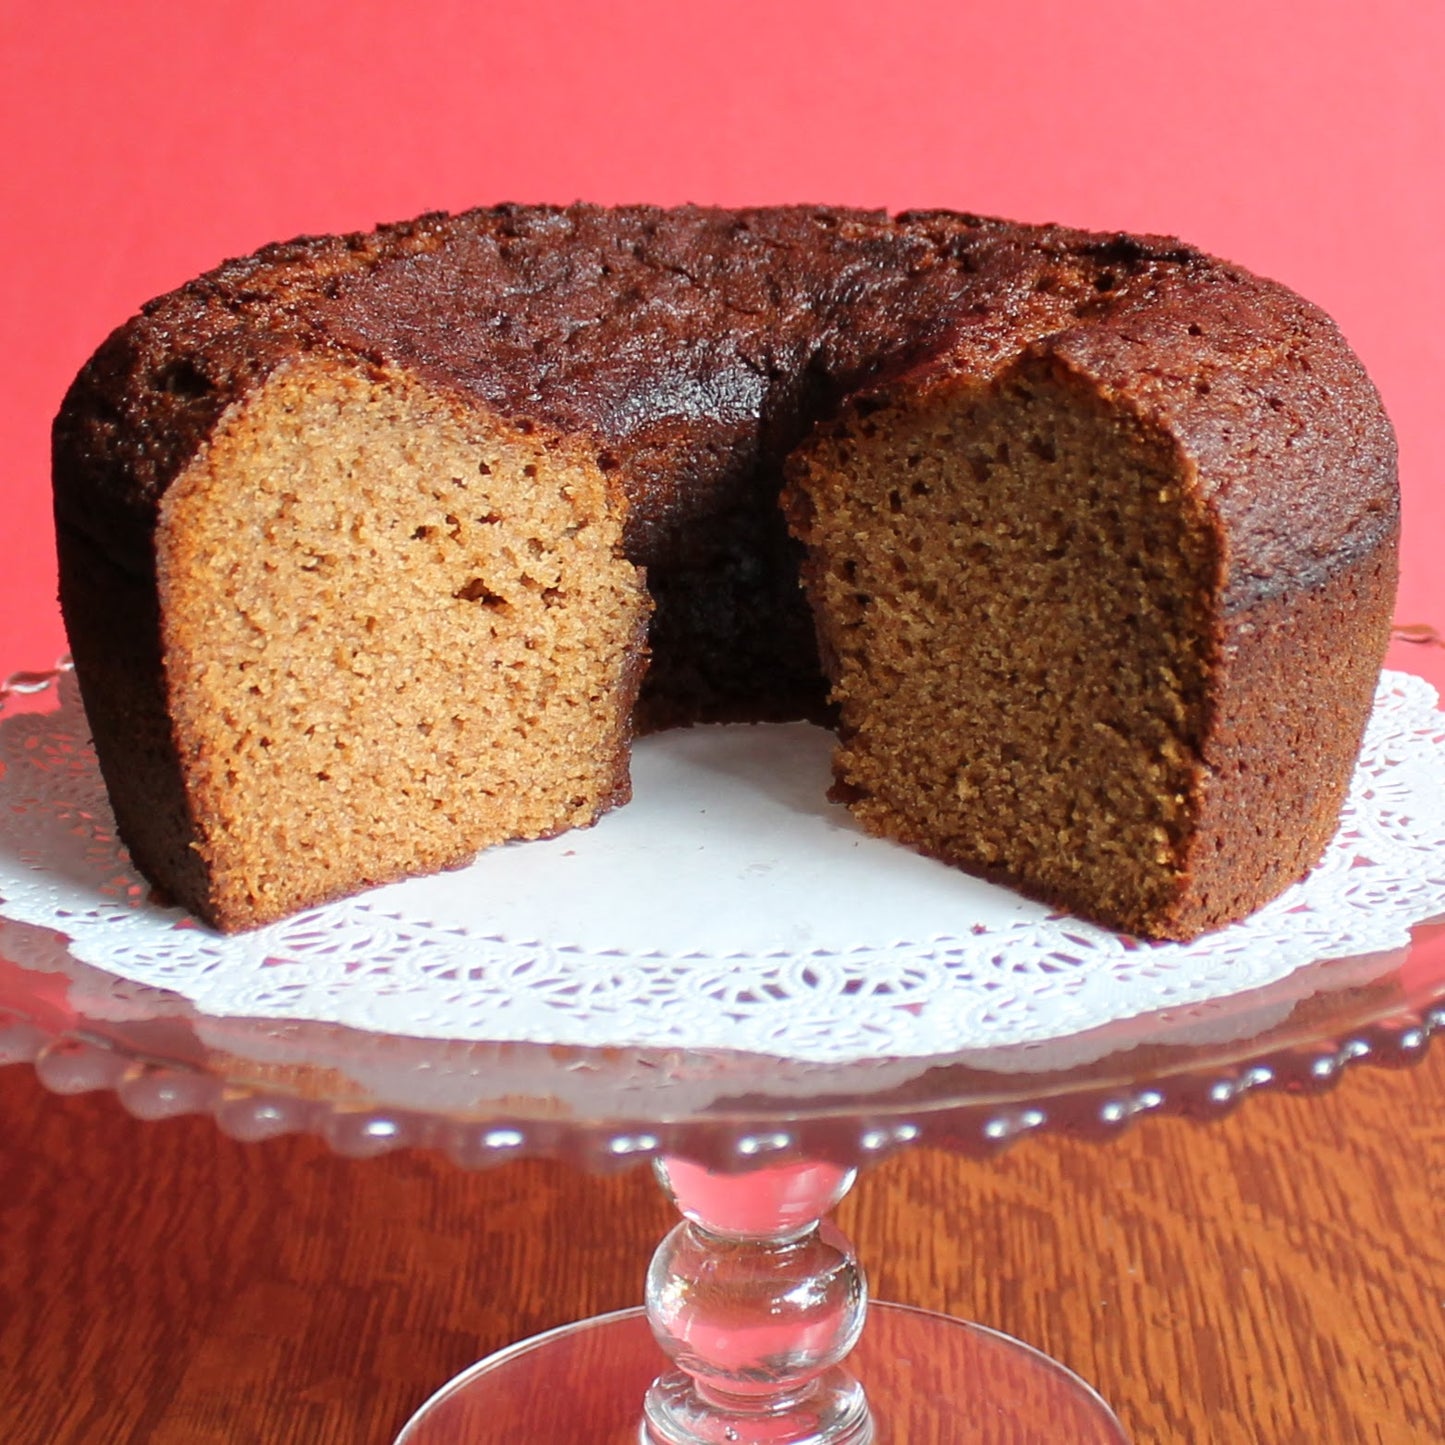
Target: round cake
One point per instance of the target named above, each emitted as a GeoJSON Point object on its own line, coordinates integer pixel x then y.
{"type": "Point", "coordinates": [376, 550]}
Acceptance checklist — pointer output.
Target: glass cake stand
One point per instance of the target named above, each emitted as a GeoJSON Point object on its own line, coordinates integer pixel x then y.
{"type": "Point", "coordinates": [756, 1298]}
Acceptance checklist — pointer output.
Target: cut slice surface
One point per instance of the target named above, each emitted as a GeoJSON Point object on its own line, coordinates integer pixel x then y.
{"type": "Point", "coordinates": [395, 632]}
{"type": "Point", "coordinates": [1018, 589]}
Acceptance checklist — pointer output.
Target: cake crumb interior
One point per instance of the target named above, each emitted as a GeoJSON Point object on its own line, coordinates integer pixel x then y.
{"type": "Point", "coordinates": [396, 631]}
{"type": "Point", "coordinates": [1016, 579]}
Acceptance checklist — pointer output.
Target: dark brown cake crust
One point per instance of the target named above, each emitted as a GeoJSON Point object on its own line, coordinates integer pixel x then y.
{"type": "Point", "coordinates": [696, 349]}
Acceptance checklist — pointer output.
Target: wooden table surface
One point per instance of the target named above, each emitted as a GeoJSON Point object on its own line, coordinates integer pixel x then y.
{"type": "Point", "coordinates": [1276, 1276]}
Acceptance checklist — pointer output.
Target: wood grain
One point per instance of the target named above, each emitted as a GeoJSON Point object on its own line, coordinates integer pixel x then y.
{"type": "Point", "coordinates": [1275, 1277]}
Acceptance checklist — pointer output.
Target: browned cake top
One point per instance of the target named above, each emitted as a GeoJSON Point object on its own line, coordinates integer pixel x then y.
{"type": "Point", "coordinates": [697, 346]}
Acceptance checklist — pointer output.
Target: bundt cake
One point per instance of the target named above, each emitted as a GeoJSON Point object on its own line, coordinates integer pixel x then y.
{"type": "Point", "coordinates": [376, 549]}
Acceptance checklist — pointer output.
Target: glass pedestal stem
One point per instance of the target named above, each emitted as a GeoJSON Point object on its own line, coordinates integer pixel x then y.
{"type": "Point", "coordinates": [756, 1299]}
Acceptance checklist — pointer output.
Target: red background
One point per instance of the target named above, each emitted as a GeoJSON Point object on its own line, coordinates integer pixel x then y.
{"type": "Point", "coordinates": [142, 142]}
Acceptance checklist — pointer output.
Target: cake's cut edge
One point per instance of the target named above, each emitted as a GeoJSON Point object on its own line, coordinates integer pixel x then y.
{"type": "Point", "coordinates": [393, 631]}
{"type": "Point", "coordinates": [1023, 606]}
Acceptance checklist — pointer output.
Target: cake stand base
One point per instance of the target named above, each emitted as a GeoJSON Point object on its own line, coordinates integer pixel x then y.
{"type": "Point", "coordinates": [930, 1380]}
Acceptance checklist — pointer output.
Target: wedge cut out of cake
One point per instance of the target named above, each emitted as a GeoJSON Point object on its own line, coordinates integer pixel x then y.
{"type": "Point", "coordinates": [376, 550]}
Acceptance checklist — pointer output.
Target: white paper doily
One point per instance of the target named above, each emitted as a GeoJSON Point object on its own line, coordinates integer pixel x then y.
{"type": "Point", "coordinates": [729, 907]}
